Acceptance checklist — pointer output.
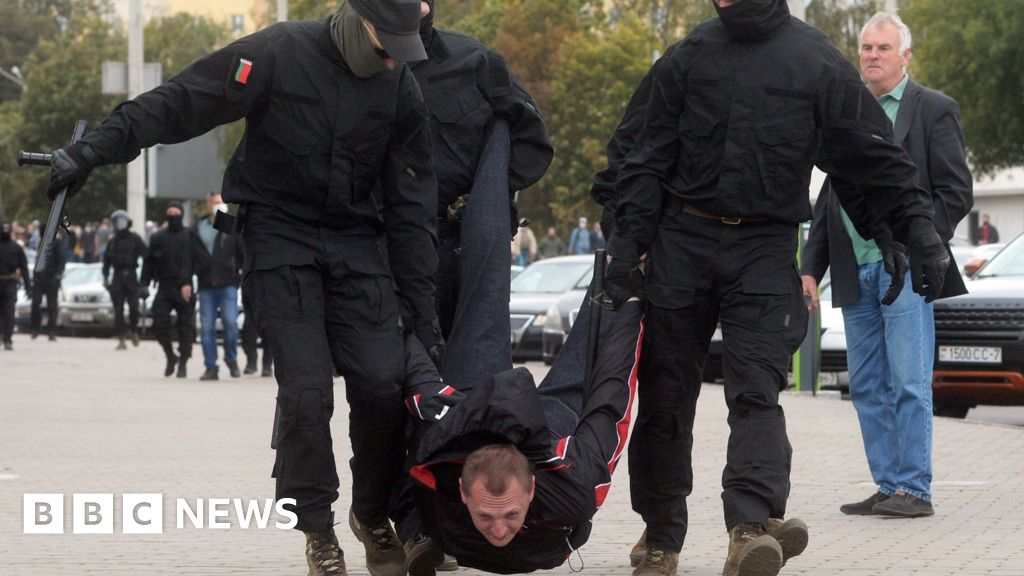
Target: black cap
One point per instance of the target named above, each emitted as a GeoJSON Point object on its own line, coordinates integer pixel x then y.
{"type": "Point", "coordinates": [397, 23]}
{"type": "Point", "coordinates": [176, 204]}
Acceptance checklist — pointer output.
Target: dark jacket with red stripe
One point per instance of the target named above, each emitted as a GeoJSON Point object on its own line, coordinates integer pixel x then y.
{"type": "Point", "coordinates": [504, 410]}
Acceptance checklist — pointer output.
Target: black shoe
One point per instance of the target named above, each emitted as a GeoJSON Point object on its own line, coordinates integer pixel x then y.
{"type": "Point", "coordinates": [903, 505]}
{"type": "Point", "coordinates": [233, 370]}
{"type": "Point", "coordinates": [210, 374]}
{"type": "Point", "coordinates": [8, 346]}
{"type": "Point", "coordinates": [52, 338]}
{"type": "Point", "coordinates": [121, 345]}
{"type": "Point", "coordinates": [172, 361]}
{"type": "Point", "coordinates": [135, 339]}
{"type": "Point", "coordinates": [250, 367]}
{"type": "Point", "coordinates": [864, 507]}
{"type": "Point", "coordinates": [267, 372]}
{"type": "Point", "coordinates": [182, 371]}
{"type": "Point", "coordinates": [422, 556]}
{"type": "Point", "coordinates": [35, 333]}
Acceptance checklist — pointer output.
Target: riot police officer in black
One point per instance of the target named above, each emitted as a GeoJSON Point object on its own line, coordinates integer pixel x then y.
{"type": "Point", "coordinates": [124, 250]}
{"type": "Point", "coordinates": [329, 114]}
{"type": "Point", "coordinates": [13, 268]}
{"type": "Point", "coordinates": [173, 257]}
{"type": "Point", "coordinates": [48, 284]}
{"type": "Point", "coordinates": [466, 86]}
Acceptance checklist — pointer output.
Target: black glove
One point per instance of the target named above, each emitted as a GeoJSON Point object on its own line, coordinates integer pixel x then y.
{"type": "Point", "coordinates": [622, 281]}
{"type": "Point", "coordinates": [929, 259]}
{"type": "Point", "coordinates": [70, 167]}
{"type": "Point", "coordinates": [430, 336]}
{"type": "Point", "coordinates": [432, 403]}
{"type": "Point", "coordinates": [894, 258]}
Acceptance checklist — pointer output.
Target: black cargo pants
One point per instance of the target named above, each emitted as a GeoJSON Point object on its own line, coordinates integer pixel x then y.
{"type": "Point", "coordinates": [336, 316]}
{"type": "Point", "coordinates": [8, 299]}
{"type": "Point", "coordinates": [50, 288]}
{"type": "Point", "coordinates": [125, 289]}
{"type": "Point", "coordinates": [701, 271]}
{"type": "Point", "coordinates": [168, 299]}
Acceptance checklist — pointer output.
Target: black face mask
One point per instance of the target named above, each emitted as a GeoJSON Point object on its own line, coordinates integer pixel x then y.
{"type": "Point", "coordinates": [753, 19]}
{"type": "Point", "coordinates": [5, 234]}
{"type": "Point", "coordinates": [175, 223]}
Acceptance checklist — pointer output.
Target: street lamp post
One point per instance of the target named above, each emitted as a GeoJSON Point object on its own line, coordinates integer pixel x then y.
{"type": "Point", "coordinates": [282, 10]}
{"type": "Point", "coordinates": [137, 168]}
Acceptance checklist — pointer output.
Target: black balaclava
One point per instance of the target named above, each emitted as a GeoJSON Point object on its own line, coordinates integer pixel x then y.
{"type": "Point", "coordinates": [176, 223]}
{"type": "Point", "coordinates": [427, 24]}
{"type": "Point", "coordinates": [353, 41]}
{"type": "Point", "coordinates": [751, 20]}
{"type": "Point", "coordinates": [5, 232]}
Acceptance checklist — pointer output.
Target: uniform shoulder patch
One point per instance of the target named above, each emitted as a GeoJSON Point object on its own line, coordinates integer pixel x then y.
{"type": "Point", "coordinates": [243, 71]}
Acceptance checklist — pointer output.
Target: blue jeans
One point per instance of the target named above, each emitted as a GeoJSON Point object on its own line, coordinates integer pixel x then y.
{"type": "Point", "coordinates": [890, 350]}
{"type": "Point", "coordinates": [224, 299]}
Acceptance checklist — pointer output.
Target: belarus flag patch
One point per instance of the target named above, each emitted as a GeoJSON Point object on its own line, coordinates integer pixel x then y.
{"type": "Point", "coordinates": [244, 68]}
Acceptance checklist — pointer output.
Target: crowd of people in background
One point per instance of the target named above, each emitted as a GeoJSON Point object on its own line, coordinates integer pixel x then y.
{"type": "Point", "coordinates": [582, 240]}
{"type": "Point", "coordinates": [91, 238]}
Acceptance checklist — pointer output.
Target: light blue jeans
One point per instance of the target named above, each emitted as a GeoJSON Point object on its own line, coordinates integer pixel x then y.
{"type": "Point", "coordinates": [224, 300]}
{"type": "Point", "coordinates": [890, 350]}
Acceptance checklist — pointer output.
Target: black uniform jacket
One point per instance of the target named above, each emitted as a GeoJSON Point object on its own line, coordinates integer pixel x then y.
{"type": "Point", "coordinates": [928, 128]}
{"type": "Point", "coordinates": [173, 258]}
{"type": "Point", "coordinates": [317, 141]}
{"type": "Point", "coordinates": [504, 410]}
{"type": "Point", "coordinates": [465, 86]}
{"type": "Point", "coordinates": [124, 250]}
{"type": "Point", "coordinates": [12, 259]}
{"type": "Point", "coordinates": [734, 127]}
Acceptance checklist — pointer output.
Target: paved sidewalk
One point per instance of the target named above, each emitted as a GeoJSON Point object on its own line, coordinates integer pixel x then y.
{"type": "Point", "coordinates": [78, 417]}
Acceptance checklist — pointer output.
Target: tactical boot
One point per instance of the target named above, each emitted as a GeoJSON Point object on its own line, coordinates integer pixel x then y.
{"type": "Point", "coordinates": [323, 554]}
{"type": "Point", "coordinates": [385, 555]}
{"type": "Point", "coordinates": [790, 534]}
{"type": "Point", "coordinates": [121, 344]}
{"type": "Point", "coordinates": [268, 371]}
{"type": "Point", "coordinates": [52, 337]}
{"type": "Point", "coordinates": [752, 552]}
{"type": "Point", "coordinates": [182, 370]}
{"type": "Point", "coordinates": [657, 562]}
{"type": "Point", "coordinates": [250, 366]}
{"type": "Point", "coordinates": [636, 555]}
{"type": "Point", "coordinates": [8, 346]}
{"type": "Point", "coordinates": [210, 374]}
{"type": "Point", "coordinates": [233, 370]}
{"type": "Point", "coordinates": [172, 361]}
{"type": "Point", "coordinates": [864, 507]}
{"type": "Point", "coordinates": [422, 556]}
{"type": "Point", "coordinates": [135, 338]}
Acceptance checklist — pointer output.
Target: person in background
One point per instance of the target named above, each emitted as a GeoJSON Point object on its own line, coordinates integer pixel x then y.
{"type": "Point", "coordinates": [48, 285]}
{"type": "Point", "coordinates": [987, 234]}
{"type": "Point", "coordinates": [598, 236]}
{"type": "Point", "coordinates": [581, 241]}
{"type": "Point", "coordinates": [219, 280]}
{"type": "Point", "coordinates": [103, 234]}
{"type": "Point", "coordinates": [524, 247]}
{"type": "Point", "coordinates": [122, 255]}
{"type": "Point", "coordinates": [13, 268]}
{"type": "Point", "coordinates": [552, 245]}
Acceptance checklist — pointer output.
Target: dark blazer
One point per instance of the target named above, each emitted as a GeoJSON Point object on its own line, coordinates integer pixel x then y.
{"type": "Point", "coordinates": [928, 129]}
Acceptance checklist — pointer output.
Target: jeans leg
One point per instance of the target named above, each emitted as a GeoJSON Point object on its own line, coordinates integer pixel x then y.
{"type": "Point", "coordinates": [870, 386]}
{"type": "Point", "coordinates": [910, 345]}
{"type": "Point", "coordinates": [229, 318]}
{"type": "Point", "coordinates": [208, 321]}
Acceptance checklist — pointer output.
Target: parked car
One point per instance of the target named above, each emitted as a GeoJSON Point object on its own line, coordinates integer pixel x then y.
{"type": "Point", "coordinates": [561, 316]}
{"type": "Point", "coordinates": [979, 337]}
{"type": "Point", "coordinates": [978, 257]}
{"type": "Point", "coordinates": [75, 276]}
{"type": "Point", "coordinates": [533, 292]}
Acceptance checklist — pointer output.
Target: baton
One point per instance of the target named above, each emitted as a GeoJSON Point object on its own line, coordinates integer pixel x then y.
{"type": "Point", "coordinates": [57, 216]}
{"type": "Point", "coordinates": [594, 324]}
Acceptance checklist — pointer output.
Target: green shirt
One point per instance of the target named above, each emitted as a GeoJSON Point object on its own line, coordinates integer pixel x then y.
{"type": "Point", "coordinates": [866, 251]}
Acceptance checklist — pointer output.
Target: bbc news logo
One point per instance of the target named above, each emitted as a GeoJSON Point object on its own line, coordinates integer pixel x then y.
{"type": "Point", "coordinates": [144, 513]}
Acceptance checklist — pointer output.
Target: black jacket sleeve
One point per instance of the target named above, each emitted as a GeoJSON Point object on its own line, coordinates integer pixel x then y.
{"type": "Point", "coordinates": [203, 96]}
{"type": "Point", "coordinates": [410, 204]}
{"type": "Point", "coordinates": [858, 148]}
{"type": "Point", "coordinates": [531, 150]}
{"type": "Point", "coordinates": [651, 159]}
{"type": "Point", "coordinates": [950, 177]}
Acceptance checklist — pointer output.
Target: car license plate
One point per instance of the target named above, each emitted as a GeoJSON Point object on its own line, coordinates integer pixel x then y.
{"type": "Point", "coordinates": [81, 317]}
{"type": "Point", "coordinates": [971, 354]}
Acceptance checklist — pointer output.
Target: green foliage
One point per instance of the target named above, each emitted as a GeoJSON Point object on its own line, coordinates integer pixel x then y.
{"type": "Point", "coordinates": [842, 21]}
{"type": "Point", "coordinates": [667, 20]}
{"type": "Point", "coordinates": [971, 50]}
{"type": "Point", "coordinates": [588, 106]}
{"type": "Point", "coordinates": [179, 40]}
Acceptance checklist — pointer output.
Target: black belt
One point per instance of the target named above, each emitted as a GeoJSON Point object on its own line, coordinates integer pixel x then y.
{"type": "Point", "coordinates": [679, 204]}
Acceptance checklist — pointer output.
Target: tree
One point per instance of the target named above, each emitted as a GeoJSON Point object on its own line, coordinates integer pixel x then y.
{"type": "Point", "coordinates": [599, 73]}
{"type": "Point", "coordinates": [668, 20]}
{"type": "Point", "coordinates": [21, 28]}
{"type": "Point", "coordinates": [971, 50]}
{"type": "Point", "coordinates": [179, 40]}
{"type": "Point", "coordinates": [842, 21]}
